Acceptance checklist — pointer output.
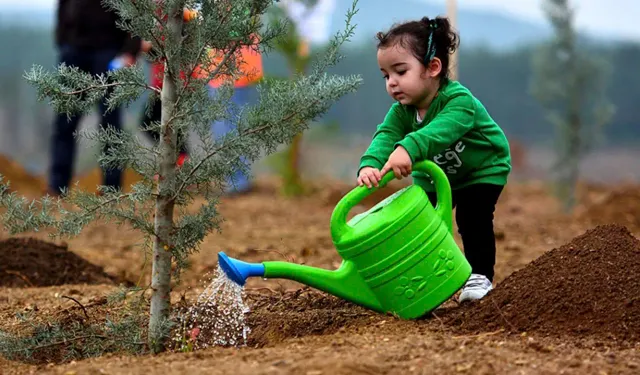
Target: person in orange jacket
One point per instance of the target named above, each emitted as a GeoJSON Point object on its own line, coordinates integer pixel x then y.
{"type": "Point", "coordinates": [244, 88]}
{"type": "Point", "coordinates": [251, 70]}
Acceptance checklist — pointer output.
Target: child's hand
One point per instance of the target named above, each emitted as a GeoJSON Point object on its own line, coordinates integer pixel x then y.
{"type": "Point", "coordinates": [146, 46]}
{"type": "Point", "coordinates": [369, 176]}
{"type": "Point", "coordinates": [400, 162]}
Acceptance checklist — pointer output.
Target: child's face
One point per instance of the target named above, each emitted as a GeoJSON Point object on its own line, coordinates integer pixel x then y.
{"type": "Point", "coordinates": [407, 80]}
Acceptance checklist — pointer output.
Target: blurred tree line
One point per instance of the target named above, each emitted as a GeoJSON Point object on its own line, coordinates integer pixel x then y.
{"type": "Point", "coordinates": [502, 80]}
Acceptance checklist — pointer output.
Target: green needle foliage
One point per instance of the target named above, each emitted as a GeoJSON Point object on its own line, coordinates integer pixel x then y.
{"type": "Point", "coordinates": [158, 208]}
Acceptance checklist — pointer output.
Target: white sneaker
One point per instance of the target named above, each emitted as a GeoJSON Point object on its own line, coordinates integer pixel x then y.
{"type": "Point", "coordinates": [476, 287]}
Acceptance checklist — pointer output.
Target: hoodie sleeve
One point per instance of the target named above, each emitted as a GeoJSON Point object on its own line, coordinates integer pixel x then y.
{"type": "Point", "coordinates": [388, 133]}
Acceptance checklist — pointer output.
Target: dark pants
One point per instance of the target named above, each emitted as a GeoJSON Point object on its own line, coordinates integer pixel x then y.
{"type": "Point", "coordinates": [63, 143]}
{"type": "Point", "coordinates": [475, 206]}
{"type": "Point", "coordinates": [155, 115]}
{"type": "Point", "coordinates": [238, 182]}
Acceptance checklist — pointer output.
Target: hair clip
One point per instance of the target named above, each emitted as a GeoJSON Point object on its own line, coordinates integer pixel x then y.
{"type": "Point", "coordinates": [431, 49]}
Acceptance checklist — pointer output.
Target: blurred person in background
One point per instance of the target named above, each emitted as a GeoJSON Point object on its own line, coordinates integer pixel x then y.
{"type": "Point", "coordinates": [155, 112]}
{"type": "Point", "coordinates": [88, 38]}
{"type": "Point", "coordinates": [251, 71]}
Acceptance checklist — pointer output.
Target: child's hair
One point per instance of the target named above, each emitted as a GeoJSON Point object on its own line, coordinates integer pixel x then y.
{"type": "Point", "coordinates": [426, 39]}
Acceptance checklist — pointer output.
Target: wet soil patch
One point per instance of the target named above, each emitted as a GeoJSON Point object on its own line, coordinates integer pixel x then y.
{"type": "Point", "coordinates": [279, 316]}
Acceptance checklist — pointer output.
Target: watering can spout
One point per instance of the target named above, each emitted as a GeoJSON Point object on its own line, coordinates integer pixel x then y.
{"type": "Point", "coordinates": [345, 282]}
{"type": "Point", "coordinates": [237, 270]}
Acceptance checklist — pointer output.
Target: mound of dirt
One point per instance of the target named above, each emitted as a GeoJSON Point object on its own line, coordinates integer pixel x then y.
{"type": "Point", "coordinates": [276, 317]}
{"type": "Point", "coordinates": [21, 180]}
{"type": "Point", "coordinates": [621, 206]}
{"type": "Point", "coordinates": [28, 262]}
{"type": "Point", "coordinates": [587, 288]}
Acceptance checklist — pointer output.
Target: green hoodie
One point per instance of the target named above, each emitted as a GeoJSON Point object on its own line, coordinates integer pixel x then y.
{"type": "Point", "coordinates": [457, 133]}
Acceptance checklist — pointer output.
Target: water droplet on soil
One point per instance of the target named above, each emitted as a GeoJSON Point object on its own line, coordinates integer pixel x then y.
{"type": "Point", "coordinates": [217, 318]}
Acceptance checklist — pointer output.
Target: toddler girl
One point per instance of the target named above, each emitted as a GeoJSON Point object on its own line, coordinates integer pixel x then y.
{"type": "Point", "coordinates": [439, 119]}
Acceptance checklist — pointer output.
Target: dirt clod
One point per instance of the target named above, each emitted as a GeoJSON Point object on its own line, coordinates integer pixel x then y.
{"type": "Point", "coordinates": [585, 288]}
{"type": "Point", "coordinates": [28, 262]}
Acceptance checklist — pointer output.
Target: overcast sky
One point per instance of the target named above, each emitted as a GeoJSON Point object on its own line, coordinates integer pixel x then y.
{"type": "Point", "coordinates": [611, 17]}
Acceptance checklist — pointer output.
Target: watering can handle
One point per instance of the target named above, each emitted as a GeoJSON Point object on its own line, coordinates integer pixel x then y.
{"type": "Point", "coordinates": [351, 199]}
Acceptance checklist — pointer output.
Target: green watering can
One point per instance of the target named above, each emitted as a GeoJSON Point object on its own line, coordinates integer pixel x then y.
{"type": "Point", "coordinates": [399, 257]}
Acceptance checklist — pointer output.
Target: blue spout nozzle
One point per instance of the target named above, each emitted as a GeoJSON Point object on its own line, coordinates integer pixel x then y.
{"type": "Point", "coordinates": [237, 270]}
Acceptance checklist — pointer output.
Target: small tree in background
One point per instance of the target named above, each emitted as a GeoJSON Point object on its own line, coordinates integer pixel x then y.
{"type": "Point", "coordinates": [294, 49]}
{"type": "Point", "coordinates": [294, 46]}
{"type": "Point", "coordinates": [158, 209]}
{"type": "Point", "coordinates": [570, 83]}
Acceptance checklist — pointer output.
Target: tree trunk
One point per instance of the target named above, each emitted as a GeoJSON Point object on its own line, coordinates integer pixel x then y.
{"type": "Point", "coordinates": [574, 141]}
{"type": "Point", "coordinates": [293, 181]}
{"type": "Point", "coordinates": [574, 153]}
{"type": "Point", "coordinates": [162, 256]}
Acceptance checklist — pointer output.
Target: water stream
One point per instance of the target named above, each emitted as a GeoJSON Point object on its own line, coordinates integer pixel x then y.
{"type": "Point", "coordinates": [218, 318]}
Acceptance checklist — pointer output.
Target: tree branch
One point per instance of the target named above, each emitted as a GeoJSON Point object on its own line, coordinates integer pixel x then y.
{"type": "Point", "coordinates": [65, 341]}
{"type": "Point", "coordinates": [79, 304]}
{"type": "Point", "coordinates": [107, 85]}
{"type": "Point", "coordinates": [226, 57]}
{"type": "Point", "coordinates": [211, 74]}
{"type": "Point", "coordinates": [223, 147]}
{"type": "Point", "coordinates": [102, 204]}
{"type": "Point", "coordinates": [153, 35]}
{"type": "Point", "coordinates": [204, 48]}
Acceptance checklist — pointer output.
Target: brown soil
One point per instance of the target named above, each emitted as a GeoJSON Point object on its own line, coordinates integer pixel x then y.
{"type": "Point", "coordinates": [621, 206]}
{"type": "Point", "coordinates": [92, 179]}
{"type": "Point", "coordinates": [31, 185]}
{"type": "Point", "coordinates": [275, 318]}
{"type": "Point", "coordinates": [20, 180]}
{"type": "Point", "coordinates": [297, 330]}
{"type": "Point", "coordinates": [585, 288]}
{"type": "Point", "coordinates": [28, 262]}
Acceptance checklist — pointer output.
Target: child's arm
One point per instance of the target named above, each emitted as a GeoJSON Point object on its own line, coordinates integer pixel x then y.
{"type": "Point", "coordinates": [454, 121]}
{"type": "Point", "coordinates": [384, 139]}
